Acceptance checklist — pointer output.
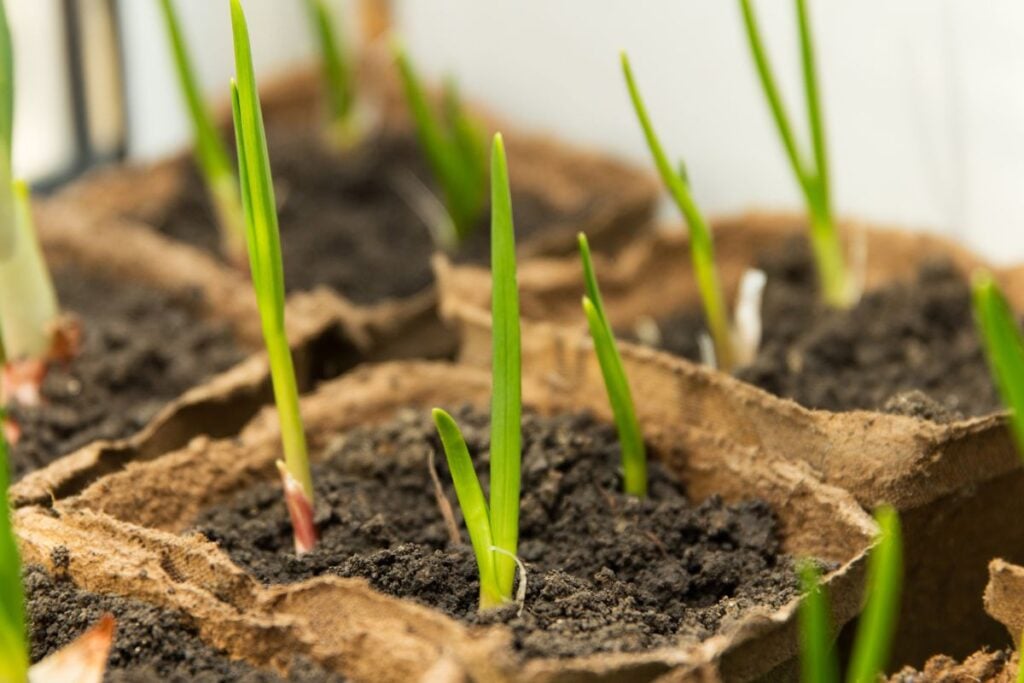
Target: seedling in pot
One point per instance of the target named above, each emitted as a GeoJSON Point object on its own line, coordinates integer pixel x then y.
{"type": "Point", "coordinates": [837, 287]}
{"type": "Point", "coordinates": [631, 439]}
{"type": "Point", "coordinates": [210, 151]}
{"type": "Point", "coordinates": [494, 529]}
{"type": "Point", "coordinates": [264, 245]}
{"type": "Point", "coordinates": [454, 148]}
{"type": "Point", "coordinates": [877, 622]}
{"type": "Point", "coordinates": [346, 124]}
{"type": "Point", "coordinates": [702, 247]}
{"type": "Point", "coordinates": [83, 661]}
{"type": "Point", "coordinates": [1004, 349]}
{"type": "Point", "coordinates": [33, 331]}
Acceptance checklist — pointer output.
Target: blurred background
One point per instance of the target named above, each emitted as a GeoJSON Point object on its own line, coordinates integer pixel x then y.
{"type": "Point", "coordinates": [923, 99]}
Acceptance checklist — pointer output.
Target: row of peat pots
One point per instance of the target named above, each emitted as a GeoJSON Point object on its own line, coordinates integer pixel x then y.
{"type": "Point", "coordinates": [146, 483]}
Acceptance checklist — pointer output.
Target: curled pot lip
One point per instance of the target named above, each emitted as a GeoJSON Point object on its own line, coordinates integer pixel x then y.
{"type": "Point", "coordinates": [123, 533]}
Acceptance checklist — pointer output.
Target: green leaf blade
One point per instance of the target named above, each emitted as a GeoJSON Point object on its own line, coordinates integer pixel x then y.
{"type": "Point", "coordinates": [817, 659]}
{"type": "Point", "coordinates": [7, 203]}
{"type": "Point", "coordinates": [702, 248]}
{"type": "Point", "coordinates": [878, 620]}
{"type": "Point", "coordinates": [28, 299]}
{"type": "Point", "coordinates": [620, 396]}
{"type": "Point", "coordinates": [337, 70]}
{"type": "Point", "coordinates": [506, 392]}
{"type": "Point", "coordinates": [812, 179]}
{"type": "Point", "coordinates": [211, 152]}
{"type": "Point", "coordinates": [473, 506]}
{"type": "Point", "coordinates": [814, 117]}
{"type": "Point", "coordinates": [13, 639]}
{"type": "Point", "coordinates": [263, 241]}
{"type": "Point", "coordinates": [454, 156]}
{"type": "Point", "coordinates": [1004, 349]}
{"type": "Point", "coordinates": [771, 91]}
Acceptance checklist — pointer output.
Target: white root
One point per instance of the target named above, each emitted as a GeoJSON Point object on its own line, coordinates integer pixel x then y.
{"type": "Point", "coordinates": [707, 350]}
{"type": "Point", "coordinates": [858, 265]}
{"type": "Point", "coordinates": [747, 324]}
{"type": "Point", "coordinates": [521, 589]}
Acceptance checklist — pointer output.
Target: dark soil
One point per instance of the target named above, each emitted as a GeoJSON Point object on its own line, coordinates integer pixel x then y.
{"type": "Point", "coordinates": [140, 350]}
{"type": "Point", "coordinates": [150, 644]}
{"type": "Point", "coordinates": [343, 224]}
{"type": "Point", "coordinates": [908, 348]}
{"type": "Point", "coordinates": [606, 572]}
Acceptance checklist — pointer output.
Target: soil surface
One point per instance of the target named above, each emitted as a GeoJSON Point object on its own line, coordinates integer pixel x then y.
{"type": "Point", "coordinates": [994, 667]}
{"type": "Point", "coordinates": [908, 348]}
{"type": "Point", "coordinates": [140, 350]}
{"type": "Point", "coordinates": [151, 644]}
{"type": "Point", "coordinates": [606, 572]}
{"type": "Point", "coordinates": [343, 223]}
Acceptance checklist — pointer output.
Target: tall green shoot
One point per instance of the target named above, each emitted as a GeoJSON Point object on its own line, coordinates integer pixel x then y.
{"type": "Point", "coordinates": [877, 623]}
{"type": "Point", "coordinates": [7, 204]}
{"type": "Point", "coordinates": [28, 300]}
{"type": "Point", "coordinates": [1004, 349]}
{"type": "Point", "coordinates": [812, 174]}
{"type": "Point", "coordinates": [631, 439]}
{"type": "Point", "coordinates": [454, 149]}
{"type": "Point", "coordinates": [494, 532]}
{"type": "Point", "coordinates": [210, 151]}
{"type": "Point", "coordinates": [264, 246]}
{"type": "Point", "coordinates": [28, 304]}
{"type": "Point", "coordinates": [702, 247]}
{"type": "Point", "coordinates": [337, 74]}
{"type": "Point", "coordinates": [13, 640]}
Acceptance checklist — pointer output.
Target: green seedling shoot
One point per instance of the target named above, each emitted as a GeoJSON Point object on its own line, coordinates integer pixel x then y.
{"type": "Point", "coordinates": [702, 247]}
{"type": "Point", "coordinates": [264, 245]}
{"type": "Point", "coordinates": [337, 74]}
{"type": "Point", "coordinates": [1004, 349]}
{"type": "Point", "coordinates": [13, 641]}
{"type": "Point", "coordinates": [631, 439]}
{"type": "Point", "coordinates": [32, 330]}
{"type": "Point", "coordinates": [455, 151]}
{"type": "Point", "coordinates": [877, 622]}
{"type": "Point", "coordinates": [6, 136]}
{"type": "Point", "coordinates": [28, 300]}
{"type": "Point", "coordinates": [494, 529]}
{"type": "Point", "coordinates": [812, 174]}
{"type": "Point", "coordinates": [210, 151]}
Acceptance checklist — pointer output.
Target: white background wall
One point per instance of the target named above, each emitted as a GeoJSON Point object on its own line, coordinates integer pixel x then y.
{"type": "Point", "coordinates": [924, 99]}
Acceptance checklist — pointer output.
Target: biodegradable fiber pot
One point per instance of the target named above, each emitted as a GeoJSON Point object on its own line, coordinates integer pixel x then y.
{"type": "Point", "coordinates": [320, 329]}
{"type": "Point", "coordinates": [954, 483]}
{"type": "Point", "coordinates": [125, 533]}
{"type": "Point", "coordinates": [382, 269]}
{"type": "Point", "coordinates": [1004, 597]}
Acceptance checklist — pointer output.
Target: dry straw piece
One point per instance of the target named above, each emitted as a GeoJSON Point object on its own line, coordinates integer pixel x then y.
{"type": "Point", "coordinates": [610, 200]}
{"type": "Point", "coordinates": [123, 533]}
{"type": "Point", "coordinates": [954, 484]}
